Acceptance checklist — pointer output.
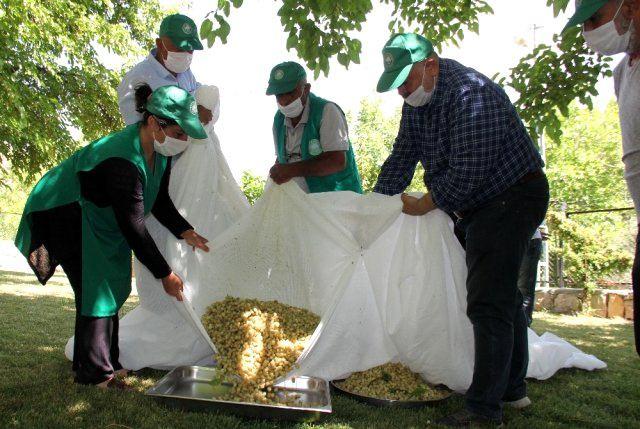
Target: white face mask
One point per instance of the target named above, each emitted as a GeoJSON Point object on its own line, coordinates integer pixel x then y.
{"type": "Point", "coordinates": [293, 109]}
{"type": "Point", "coordinates": [171, 146]}
{"type": "Point", "coordinates": [605, 39]}
{"type": "Point", "coordinates": [177, 62]}
{"type": "Point", "coordinates": [420, 96]}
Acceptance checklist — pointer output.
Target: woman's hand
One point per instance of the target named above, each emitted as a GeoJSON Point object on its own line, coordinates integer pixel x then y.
{"type": "Point", "coordinates": [194, 240]}
{"type": "Point", "coordinates": [417, 206]}
{"type": "Point", "coordinates": [173, 285]}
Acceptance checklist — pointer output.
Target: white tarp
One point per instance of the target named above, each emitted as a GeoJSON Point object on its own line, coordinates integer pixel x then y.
{"type": "Point", "coordinates": [388, 287]}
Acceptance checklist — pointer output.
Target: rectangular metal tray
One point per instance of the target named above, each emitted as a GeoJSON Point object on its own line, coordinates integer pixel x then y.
{"type": "Point", "coordinates": [194, 388]}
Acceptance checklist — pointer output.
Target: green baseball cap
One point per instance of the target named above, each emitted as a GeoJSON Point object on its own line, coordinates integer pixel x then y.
{"type": "Point", "coordinates": [285, 77]}
{"type": "Point", "coordinates": [182, 31]}
{"type": "Point", "coordinates": [584, 10]}
{"type": "Point", "coordinates": [399, 54]}
{"type": "Point", "coordinates": [177, 104]}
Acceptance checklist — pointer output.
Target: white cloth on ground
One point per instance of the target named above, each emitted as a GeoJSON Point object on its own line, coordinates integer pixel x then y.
{"type": "Point", "coordinates": [388, 287]}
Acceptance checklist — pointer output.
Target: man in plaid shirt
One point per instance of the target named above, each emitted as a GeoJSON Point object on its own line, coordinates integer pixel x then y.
{"type": "Point", "coordinates": [480, 164]}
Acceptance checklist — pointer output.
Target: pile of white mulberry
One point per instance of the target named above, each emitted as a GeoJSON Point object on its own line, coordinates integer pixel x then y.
{"type": "Point", "coordinates": [391, 381]}
{"type": "Point", "coordinates": [258, 342]}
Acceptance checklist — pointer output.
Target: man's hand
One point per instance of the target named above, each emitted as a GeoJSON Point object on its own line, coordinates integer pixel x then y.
{"type": "Point", "coordinates": [172, 285]}
{"type": "Point", "coordinates": [417, 206]}
{"type": "Point", "coordinates": [281, 173]}
{"type": "Point", "coordinates": [204, 114]}
{"type": "Point", "coordinates": [194, 240]}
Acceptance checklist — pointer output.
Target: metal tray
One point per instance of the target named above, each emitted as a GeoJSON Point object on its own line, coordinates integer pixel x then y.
{"type": "Point", "coordinates": [378, 402]}
{"type": "Point", "coordinates": [195, 388]}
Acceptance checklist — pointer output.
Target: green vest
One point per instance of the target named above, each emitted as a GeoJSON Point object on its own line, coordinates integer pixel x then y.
{"type": "Point", "coordinates": [106, 256]}
{"type": "Point", "coordinates": [345, 180]}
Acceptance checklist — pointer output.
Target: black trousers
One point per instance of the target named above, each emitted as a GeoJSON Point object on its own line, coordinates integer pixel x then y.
{"type": "Point", "coordinates": [95, 353]}
{"type": "Point", "coordinates": [528, 275]}
{"type": "Point", "coordinates": [635, 278]}
{"type": "Point", "coordinates": [497, 235]}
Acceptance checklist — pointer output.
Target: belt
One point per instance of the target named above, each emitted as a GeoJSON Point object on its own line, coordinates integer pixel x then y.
{"type": "Point", "coordinates": [532, 175]}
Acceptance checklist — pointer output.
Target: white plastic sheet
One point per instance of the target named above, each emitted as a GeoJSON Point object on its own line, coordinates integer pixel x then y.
{"type": "Point", "coordinates": [388, 287]}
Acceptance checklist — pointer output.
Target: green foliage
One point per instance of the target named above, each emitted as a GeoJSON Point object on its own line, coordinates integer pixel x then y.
{"type": "Point", "coordinates": [53, 82]}
{"type": "Point", "coordinates": [547, 80]}
{"type": "Point", "coordinates": [252, 185]}
{"type": "Point", "coordinates": [591, 250]}
{"type": "Point", "coordinates": [320, 29]}
{"type": "Point", "coordinates": [584, 165]}
{"type": "Point", "coordinates": [551, 78]}
{"type": "Point", "coordinates": [440, 21]}
{"type": "Point", "coordinates": [220, 29]}
{"type": "Point", "coordinates": [13, 195]}
{"type": "Point", "coordinates": [372, 138]}
{"type": "Point", "coordinates": [585, 172]}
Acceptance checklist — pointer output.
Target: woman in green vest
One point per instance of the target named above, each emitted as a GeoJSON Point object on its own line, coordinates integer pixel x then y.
{"type": "Point", "coordinates": [88, 214]}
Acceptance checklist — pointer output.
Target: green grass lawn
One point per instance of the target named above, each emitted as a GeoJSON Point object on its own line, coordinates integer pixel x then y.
{"type": "Point", "coordinates": [37, 391]}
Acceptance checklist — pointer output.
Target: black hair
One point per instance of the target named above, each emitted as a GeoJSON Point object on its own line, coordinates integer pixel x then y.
{"type": "Point", "coordinates": [142, 94]}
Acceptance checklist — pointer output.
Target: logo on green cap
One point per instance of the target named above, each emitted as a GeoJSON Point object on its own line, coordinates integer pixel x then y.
{"type": "Point", "coordinates": [186, 28]}
{"type": "Point", "coordinates": [193, 108]}
{"type": "Point", "coordinates": [388, 59]}
{"type": "Point", "coordinates": [279, 74]}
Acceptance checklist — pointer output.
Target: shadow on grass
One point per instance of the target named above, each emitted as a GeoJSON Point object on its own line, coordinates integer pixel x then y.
{"type": "Point", "coordinates": [22, 278]}
{"type": "Point", "coordinates": [590, 338]}
{"type": "Point", "coordinates": [37, 389]}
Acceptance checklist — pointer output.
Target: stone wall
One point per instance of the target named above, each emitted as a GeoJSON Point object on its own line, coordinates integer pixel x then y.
{"type": "Point", "coordinates": [602, 302]}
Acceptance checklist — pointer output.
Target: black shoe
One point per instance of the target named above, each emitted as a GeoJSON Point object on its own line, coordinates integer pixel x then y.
{"type": "Point", "coordinates": [465, 418]}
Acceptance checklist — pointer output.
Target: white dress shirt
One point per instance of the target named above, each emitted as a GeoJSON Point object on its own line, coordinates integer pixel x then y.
{"type": "Point", "coordinates": [154, 74]}
{"type": "Point", "coordinates": [627, 84]}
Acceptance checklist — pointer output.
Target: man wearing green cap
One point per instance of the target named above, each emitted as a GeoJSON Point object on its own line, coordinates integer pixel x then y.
{"type": "Point", "coordinates": [168, 64]}
{"type": "Point", "coordinates": [310, 136]}
{"type": "Point", "coordinates": [480, 164]}
{"type": "Point", "coordinates": [611, 27]}
{"type": "Point", "coordinates": [88, 214]}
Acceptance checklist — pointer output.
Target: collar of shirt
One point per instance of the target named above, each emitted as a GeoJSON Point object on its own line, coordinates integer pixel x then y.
{"type": "Point", "coordinates": [441, 83]}
{"type": "Point", "coordinates": [158, 68]}
{"type": "Point", "coordinates": [439, 95]}
{"type": "Point", "coordinates": [303, 120]}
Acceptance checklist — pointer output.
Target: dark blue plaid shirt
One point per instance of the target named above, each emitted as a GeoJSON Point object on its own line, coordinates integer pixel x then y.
{"type": "Point", "coordinates": [469, 138]}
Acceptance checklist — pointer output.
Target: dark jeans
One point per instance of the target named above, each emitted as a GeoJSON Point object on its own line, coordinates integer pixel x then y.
{"type": "Point", "coordinates": [635, 278]}
{"type": "Point", "coordinates": [497, 235]}
{"type": "Point", "coordinates": [528, 275]}
{"type": "Point", "coordinates": [95, 349]}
